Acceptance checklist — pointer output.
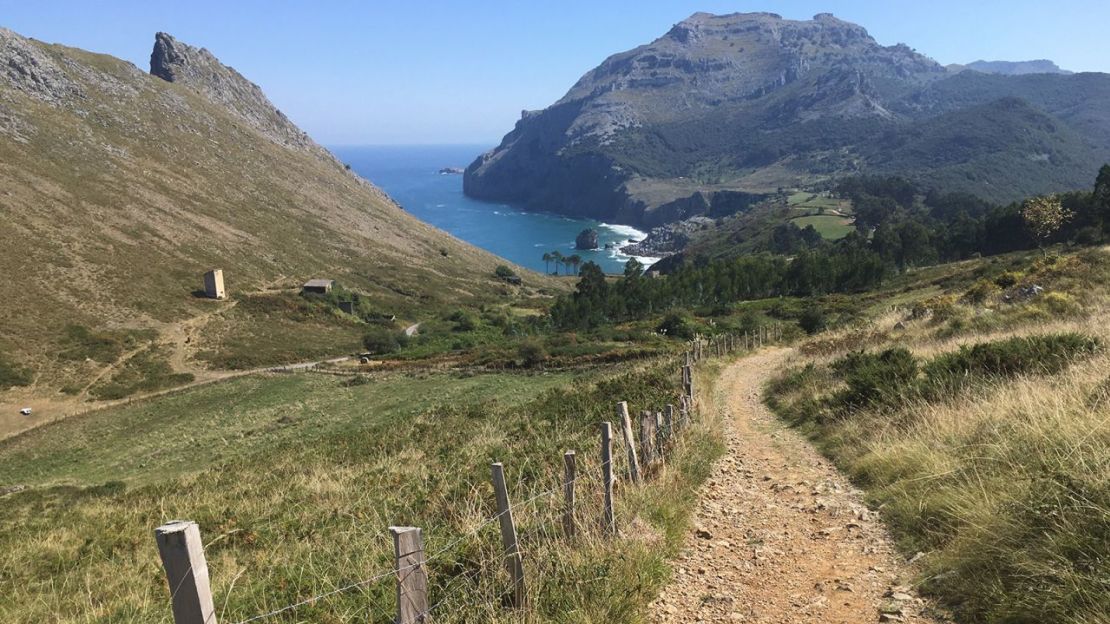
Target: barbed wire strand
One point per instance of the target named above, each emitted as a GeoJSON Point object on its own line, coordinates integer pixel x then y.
{"type": "Point", "coordinates": [431, 557]}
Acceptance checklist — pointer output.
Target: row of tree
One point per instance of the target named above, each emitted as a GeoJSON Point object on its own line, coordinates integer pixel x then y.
{"type": "Point", "coordinates": [897, 226]}
{"type": "Point", "coordinates": [571, 263]}
{"type": "Point", "coordinates": [596, 301]}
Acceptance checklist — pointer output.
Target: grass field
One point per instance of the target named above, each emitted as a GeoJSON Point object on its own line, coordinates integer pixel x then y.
{"type": "Point", "coordinates": [831, 227]}
{"type": "Point", "coordinates": [294, 480]}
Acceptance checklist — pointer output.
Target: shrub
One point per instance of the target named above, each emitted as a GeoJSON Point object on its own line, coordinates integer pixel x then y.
{"type": "Point", "coordinates": [12, 375]}
{"type": "Point", "coordinates": [1060, 303]}
{"type": "Point", "coordinates": [1009, 279]}
{"type": "Point", "coordinates": [980, 291]}
{"type": "Point", "coordinates": [875, 378]}
{"type": "Point", "coordinates": [464, 320]}
{"type": "Point", "coordinates": [812, 320]}
{"type": "Point", "coordinates": [531, 354]}
{"type": "Point", "coordinates": [503, 272]}
{"type": "Point", "coordinates": [1047, 354]}
{"type": "Point", "coordinates": [381, 340]}
{"type": "Point", "coordinates": [677, 325]}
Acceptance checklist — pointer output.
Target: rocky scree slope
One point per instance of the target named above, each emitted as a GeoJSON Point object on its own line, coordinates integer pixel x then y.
{"type": "Point", "coordinates": [753, 102]}
{"type": "Point", "coordinates": [119, 188]}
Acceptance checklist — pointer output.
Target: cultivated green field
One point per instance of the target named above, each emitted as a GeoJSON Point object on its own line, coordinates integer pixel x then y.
{"type": "Point", "coordinates": [294, 480]}
{"type": "Point", "coordinates": [830, 227]}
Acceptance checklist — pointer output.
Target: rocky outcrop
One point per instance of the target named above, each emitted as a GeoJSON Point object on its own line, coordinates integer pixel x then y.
{"type": "Point", "coordinates": [669, 239]}
{"type": "Point", "coordinates": [199, 69]}
{"type": "Point", "coordinates": [118, 190]}
{"type": "Point", "coordinates": [587, 239]}
{"type": "Point", "coordinates": [753, 103]}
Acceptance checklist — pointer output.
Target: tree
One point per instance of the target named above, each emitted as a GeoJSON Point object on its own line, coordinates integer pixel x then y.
{"type": "Point", "coordinates": [380, 340]}
{"type": "Point", "coordinates": [573, 261]}
{"type": "Point", "coordinates": [557, 258]}
{"type": "Point", "coordinates": [1043, 217]}
{"type": "Point", "coordinates": [547, 258]}
{"type": "Point", "coordinates": [1102, 187]}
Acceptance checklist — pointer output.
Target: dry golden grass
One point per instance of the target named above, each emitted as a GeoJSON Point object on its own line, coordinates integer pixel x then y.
{"type": "Point", "coordinates": [1004, 484]}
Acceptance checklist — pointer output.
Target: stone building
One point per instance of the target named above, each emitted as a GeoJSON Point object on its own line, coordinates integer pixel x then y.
{"type": "Point", "coordinates": [318, 286]}
{"type": "Point", "coordinates": [214, 284]}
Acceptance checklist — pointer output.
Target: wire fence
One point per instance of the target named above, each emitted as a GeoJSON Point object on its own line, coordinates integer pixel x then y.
{"type": "Point", "coordinates": [494, 576]}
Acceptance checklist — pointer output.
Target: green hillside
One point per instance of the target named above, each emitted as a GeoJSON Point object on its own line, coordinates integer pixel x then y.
{"type": "Point", "coordinates": [121, 189]}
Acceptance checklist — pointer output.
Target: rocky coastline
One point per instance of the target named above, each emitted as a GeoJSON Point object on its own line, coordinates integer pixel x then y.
{"type": "Point", "coordinates": [669, 239]}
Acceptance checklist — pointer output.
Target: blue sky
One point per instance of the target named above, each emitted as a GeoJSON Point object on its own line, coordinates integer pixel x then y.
{"type": "Point", "coordinates": [396, 72]}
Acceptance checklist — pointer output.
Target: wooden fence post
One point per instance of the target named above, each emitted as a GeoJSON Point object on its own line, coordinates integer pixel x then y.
{"type": "Point", "coordinates": [182, 555]}
{"type": "Point", "coordinates": [660, 437]}
{"type": "Point", "coordinates": [629, 441]}
{"type": "Point", "coordinates": [689, 382]}
{"type": "Point", "coordinates": [683, 412]}
{"type": "Point", "coordinates": [412, 575]}
{"type": "Point", "coordinates": [668, 421]}
{"type": "Point", "coordinates": [570, 472]}
{"type": "Point", "coordinates": [513, 560]}
{"type": "Point", "coordinates": [647, 437]}
{"type": "Point", "coordinates": [608, 518]}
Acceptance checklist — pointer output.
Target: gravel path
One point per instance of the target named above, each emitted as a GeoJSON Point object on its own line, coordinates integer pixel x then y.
{"type": "Point", "coordinates": [780, 535]}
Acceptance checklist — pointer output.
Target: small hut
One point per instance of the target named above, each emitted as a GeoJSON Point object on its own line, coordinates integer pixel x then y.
{"type": "Point", "coordinates": [214, 284]}
{"type": "Point", "coordinates": [318, 286]}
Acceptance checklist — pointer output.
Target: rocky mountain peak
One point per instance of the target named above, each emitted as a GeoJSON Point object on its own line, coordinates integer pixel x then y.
{"type": "Point", "coordinates": [1017, 68]}
{"type": "Point", "coordinates": [27, 67]}
{"type": "Point", "coordinates": [198, 69]}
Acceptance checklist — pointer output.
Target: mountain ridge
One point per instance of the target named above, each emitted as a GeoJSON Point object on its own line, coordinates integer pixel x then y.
{"type": "Point", "coordinates": [120, 189]}
{"type": "Point", "coordinates": [753, 102]}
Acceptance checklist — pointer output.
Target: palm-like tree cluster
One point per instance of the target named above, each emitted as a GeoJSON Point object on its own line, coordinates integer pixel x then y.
{"type": "Point", "coordinates": [570, 263]}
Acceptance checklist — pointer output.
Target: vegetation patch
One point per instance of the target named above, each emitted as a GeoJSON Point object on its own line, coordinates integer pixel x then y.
{"type": "Point", "coordinates": [1003, 486]}
{"type": "Point", "coordinates": [80, 343]}
{"type": "Point", "coordinates": [1044, 354]}
{"type": "Point", "coordinates": [146, 371]}
{"type": "Point", "coordinates": [12, 375]}
{"type": "Point", "coordinates": [294, 480]}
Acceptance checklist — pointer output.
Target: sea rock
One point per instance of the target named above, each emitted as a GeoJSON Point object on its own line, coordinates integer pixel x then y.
{"type": "Point", "coordinates": [586, 239]}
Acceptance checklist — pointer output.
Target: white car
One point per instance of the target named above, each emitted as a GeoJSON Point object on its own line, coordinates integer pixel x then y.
{"type": "Point", "coordinates": [25, 411]}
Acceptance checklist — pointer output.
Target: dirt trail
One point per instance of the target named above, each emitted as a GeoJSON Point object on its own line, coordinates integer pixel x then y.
{"type": "Point", "coordinates": [779, 534]}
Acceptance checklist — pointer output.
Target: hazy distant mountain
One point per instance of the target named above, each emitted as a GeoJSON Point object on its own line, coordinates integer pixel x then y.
{"type": "Point", "coordinates": [754, 102]}
{"type": "Point", "coordinates": [1017, 68]}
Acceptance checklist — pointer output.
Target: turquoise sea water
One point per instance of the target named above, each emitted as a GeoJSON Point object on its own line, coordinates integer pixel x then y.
{"type": "Point", "coordinates": [410, 175]}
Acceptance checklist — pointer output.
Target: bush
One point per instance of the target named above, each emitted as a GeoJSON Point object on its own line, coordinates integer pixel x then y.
{"type": "Point", "coordinates": [464, 320]}
{"type": "Point", "coordinates": [1009, 279]}
{"type": "Point", "coordinates": [531, 354]}
{"type": "Point", "coordinates": [980, 291]}
{"type": "Point", "coordinates": [381, 340]}
{"type": "Point", "coordinates": [1047, 354]}
{"type": "Point", "coordinates": [677, 325]}
{"type": "Point", "coordinates": [1060, 303]}
{"type": "Point", "coordinates": [503, 272]}
{"type": "Point", "coordinates": [12, 375]}
{"type": "Point", "coordinates": [875, 378]}
{"type": "Point", "coordinates": [812, 320]}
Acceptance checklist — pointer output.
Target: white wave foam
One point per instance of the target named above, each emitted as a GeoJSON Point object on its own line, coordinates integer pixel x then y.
{"type": "Point", "coordinates": [627, 231]}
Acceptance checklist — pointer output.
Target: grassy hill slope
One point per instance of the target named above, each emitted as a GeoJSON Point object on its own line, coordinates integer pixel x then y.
{"type": "Point", "coordinates": [118, 189]}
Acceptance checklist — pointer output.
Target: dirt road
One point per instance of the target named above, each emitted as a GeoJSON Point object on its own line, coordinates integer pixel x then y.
{"type": "Point", "coordinates": [780, 535]}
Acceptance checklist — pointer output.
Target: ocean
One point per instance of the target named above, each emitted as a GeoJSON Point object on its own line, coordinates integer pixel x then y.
{"type": "Point", "coordinates": [410, 175]}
